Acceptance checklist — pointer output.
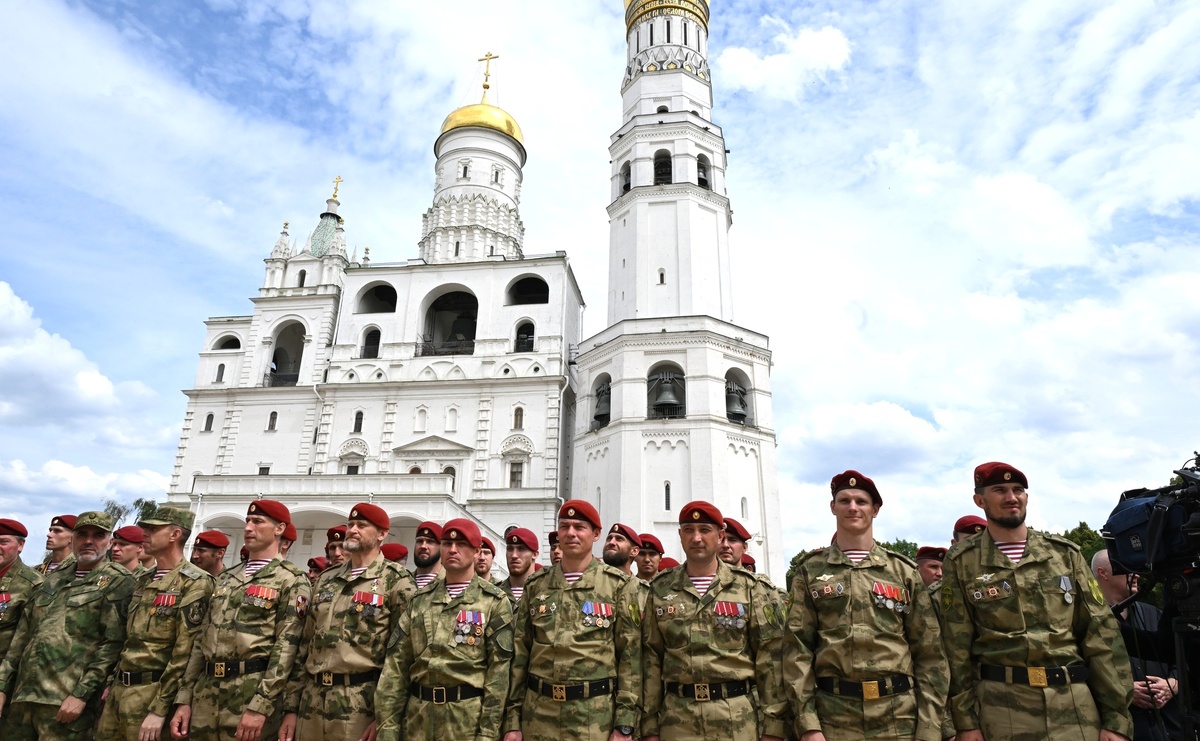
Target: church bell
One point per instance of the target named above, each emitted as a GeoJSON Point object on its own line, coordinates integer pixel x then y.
{"type": "Point", "coordinates": [665, 396]}
{"type": "Point", "coordinates": [603, 405]}
{"type": "Point", "coordinates": [735, 402]}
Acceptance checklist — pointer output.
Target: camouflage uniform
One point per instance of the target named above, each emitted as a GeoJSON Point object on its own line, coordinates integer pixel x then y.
{"type": "Point", "coordinates": [861, 623]}
{"type": "Point", "coordinates": [345, 640]}
{"type": "Point", "coordinates": [249, 620]}
{"type": "Point", "coordinates": [67, 564]}
{"type": "Point", "coordinates": [556, 645]}
{"type": "Point", "coordinates": [66, 644]}
{"type": "Point", "coordinates": [1040, 612]}
{"type": "Point", "coordinates": [439, 648]}
{"type": "Point", "coordinates": [164, 618]}
{"type": "Point", "coordinates": [16, 587]}
{"type": "Point", "coordinates": [506, 586]}
{"type": "Point", "coordinates": [731, 634]}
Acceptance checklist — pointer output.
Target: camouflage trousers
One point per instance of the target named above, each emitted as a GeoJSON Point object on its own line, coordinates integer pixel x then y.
{"type": "Point", "coordinates": [123, 713]}
{"type": "Point", "coordinates": [217, 707]}
{"type": "Point", "coordinates": [335, 713]}
{"type": "Point", "coordinates": [32, 721]}
{"type": "Point", "coordinates": [682, 719]}
{"type": "Point", "coordinates": [1019, 713]}
{"type": "Point", "coordinates": [544, 719]}
{"type": "Point", "coordinates": [853, 719]}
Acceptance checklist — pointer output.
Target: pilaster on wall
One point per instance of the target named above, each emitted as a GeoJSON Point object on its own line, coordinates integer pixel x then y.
{"type": "Point", "coordinates": [181, 449]}
{"type": "Point", "coordinates": [228, 442]}
{"type": "Point", "coordinates": [304, 461]}
{"type": "Point", "coordinates": [252, 365]}
{"type": "Point", "coordinates": [387, 442]}
{"type": "Point", "coordinates": [321, 456]}
{"type": "Point", "coordinates": [553, 435]}
{"type": "Point", "coordinates": [482, 435]}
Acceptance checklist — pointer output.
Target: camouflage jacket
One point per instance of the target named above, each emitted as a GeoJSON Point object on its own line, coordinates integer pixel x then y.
{"type": "Point", "coordinates": [861, 622]}
{"type": "Point", "coordinates": [733, 632]}
{"type": "Point", "coordinates": [16, 587]}
{"type": "Point", "coordinates": [449, 642]}
{"type": "Point", "coordinates": [164, 619]}
{"type": "Point", "coordinates": [350, 622]}
{"type": "Point", "coordinates": [1039, 612]}
{"type": "Point", "coordinates": [70, 636]}
{"type": "Point", "coordinates": [67, 564]}
{"type": "Point", "coordinates": [554, 643]}
{"type": "Point", "coordinates": [260, 617]}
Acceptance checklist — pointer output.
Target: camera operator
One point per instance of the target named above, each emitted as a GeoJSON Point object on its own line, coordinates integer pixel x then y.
{"type": "Point", "coordinates": [1155, 710]}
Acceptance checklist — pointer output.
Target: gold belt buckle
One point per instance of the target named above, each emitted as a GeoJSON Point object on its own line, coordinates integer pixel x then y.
{"type": "Point", "coordinates": [871, 690]}
{"type": "Point", "coordinates": [327, 679]}
{"type": "Point", "coordinates": [559, 692]}
{"type": "Point", "coordinates": [436, 690]}
{"type": "Point", "coordinates": [1037, 677]}
{"type": "Point", "coordinates": [219, 669]}
{"type": "Point", "coordinates": [702, 693]}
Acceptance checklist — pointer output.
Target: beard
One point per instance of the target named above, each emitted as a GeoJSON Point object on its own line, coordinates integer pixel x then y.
{"type": "Point", "coordinates": [363, 545]}
{"type": "Point", "coordinates": [424, 562]}
{"type": "Point", "coordinates": [87, 559]}
{"type": "Point", "coordinates": [1009, 522]}
{"type": "Point", "coordinates": [616, 559]}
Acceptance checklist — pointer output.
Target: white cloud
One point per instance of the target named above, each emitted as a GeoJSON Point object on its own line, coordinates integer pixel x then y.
{"type": "Point", "coordinates": [807, 56]}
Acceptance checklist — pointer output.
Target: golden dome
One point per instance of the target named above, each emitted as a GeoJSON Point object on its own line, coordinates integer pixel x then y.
{"type": "Point", "coordinates": [638, 10]}
{"type": "Point", "coordinates": [487, 116]}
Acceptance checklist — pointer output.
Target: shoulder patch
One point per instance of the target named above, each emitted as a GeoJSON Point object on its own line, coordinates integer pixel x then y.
{"type": "Point", "coordinates": [489, 588]}
{"type": "Point", "coordinates": [901, 557]}
{"type": "Point", "coordinates": [1060, 540]}
{"type": "Point", "coordinates": [192, 571]}
{"type": "Point", "coordinates": [294, 569]}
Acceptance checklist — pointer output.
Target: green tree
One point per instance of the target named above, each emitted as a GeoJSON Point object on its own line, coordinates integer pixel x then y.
{"type": "Point", "coordinates": [1088, 540]}
{"type": "Point", "coordinates": [140, 509]}
{"type": "Point", "coordinates": [901, 546]}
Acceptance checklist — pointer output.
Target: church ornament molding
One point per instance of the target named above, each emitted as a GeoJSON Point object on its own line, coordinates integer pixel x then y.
{"type": "Point", "coordinates": [667, 193]}
{"type": "Point", "coordinates": [604, 353]}
{"type": "Point", "coordinates": [655, 132]}
{"type": "Point", "coordinates": [658, 59]}
{"type": "Point", "coordinates": [639, 11]}
{"type": "Point", "coordinates": [516, 445]}
{"type": "Point", "coordinates": [749, 441]}
{"type": "Point", "coordinates": [354, 447]}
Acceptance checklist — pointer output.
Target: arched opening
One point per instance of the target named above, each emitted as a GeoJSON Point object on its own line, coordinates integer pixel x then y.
{"type": "Point", "coordinates": [662, 167]}
{"type": "Point", "coordinates": [531, 290]}
{"type": "Point", "coordinates": [745, 508]}
{"type": "Point", "coordinates": [358, 420]}
{"type": "Point", "coordinates": [301, 278]}
{"type": "Point", "coordinates": [208, 423]}
{"type": "Point", "coordinates": [414, 471]}
{"type": "Point", "coordinates": [626, 177]}
{"type": "Point", "coordinates": [702, 170]}
{"type": "Point", "coordinates": [518, 419]}
{"type": "Point", "coordinates": [420, 418]}
{"type": "Point", "coordinates": [272, 420]}
{"type": "Point", "coordinates": [228, 343]}
{"type": "Point", "coordinates": [602, 391]}
{"type": "Point", "coordinates": [450, 325]}
{"type": "Point", "coordinates": [663, 109]}
{"type": "Point", "coordinates": [289, 352]}
{"type": "Point", "coordinates": [667, 496]}
{"type": "Point", "coordinates": [377, 299]}
{"type": "Point", "coordinates": [449, 471]}
{"type": "Point", "coordinates": [662, 277]}
{"type": "Point", "coordinates": [525, 338]}
{"type": "Point", "coordinates": [738, 399]}
{"type": "Point", "coordinates": [220, 374]}
{"type": "Point", "coordinates": [370, 346]}
{"type": "Point", "coordinates": [666, 392]}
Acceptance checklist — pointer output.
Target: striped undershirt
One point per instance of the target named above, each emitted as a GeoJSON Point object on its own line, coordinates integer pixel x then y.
{"type": "Point", "coordinates": [160, 573]}
{"type": "Point", "coordinates": [856, 555]}
{"type": "Point", "coordinates": [1014, 549]}
{"type": "Point", "coordinates": [424, 580]}
{"type": "Point", "coordinates": [255, 565]}
{"type": "Point", "coordinates": [456, 589]}
{"type": "Point", "coordinates": [80, 574]}
{"type": "Point", "coordinates": [355, 573]}
{"type": "Point", "coordinates": [572, 576]}
{"type": "Point", "coordinates": [517, 592]}
{"type": "Point", "coordinates": [702, 583]}
{"type": "Point", "coordinates": [52, 566]}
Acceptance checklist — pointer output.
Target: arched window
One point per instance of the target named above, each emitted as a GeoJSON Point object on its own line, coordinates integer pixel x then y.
{"type": "Point", "coordinates": [272, 420]}
{"type": "Point", "coordinates": [378, 299]}
{"type": "Point", "coordinates": [667, 496]}
{"type": "Point", "coordinates": [662, 167]}
{"type": "Point", "coordinates": [702, 168]}
{"type": "Point", "coordinates": [452, 419]}
{"type": "Point", "coordinates": [663, 109]}
{"type": "Point", "coordinates": [518, 419]}
{"type": "Point", "coordinates": [220, 374]}
{"type": "Point", "coordinates": [666, 392]}
{"type": "Point", "coordinates": [358, 420]}
{"type": "Point", "coordinates": [208, 423]}
{"type": "Point", "coordinates": [370, 346]}
{"type": "Point", "coordinates": [457, 249]}
{"type": "Point", "coordinates": [662, 277]}
{"type": "Point", "coordinates": [300, 278]}
{"type": "Point", "coordinates": [745, 508]}
{"type": "Point", "coordinates": [287, 356]}
{"type": "Point", "coordinates": [449, 471]}
{"type": "Point", "coordinates": [626, 177]}
{"type": "Point", "coordinates": [419, 420]}
{"type": "Point", "coordinates": [524, 341]}
{"type": "Point", "coordinates": [415, 470]}
{"type": "Point", "coordinates": [229, 343]}
{"type": "Point", "coordinates": [602, 412]}
{"type": "Point", "coordinates": [450, 325]}
{"type": "Point", "coordinates": [531, 290]}
{"type": "Point", "coordinates": [739, 402]}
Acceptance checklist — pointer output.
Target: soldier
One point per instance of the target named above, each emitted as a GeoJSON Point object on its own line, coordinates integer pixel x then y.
{"type": "Point", "coordinates": [929, 565]}
{"type": "Point", "coordinates": [147, 562]}
{"type": "Point", "coordinates": [650, 552]}
{"type": "Point", "coordinates": [17, 584]}
{"type": "Point", "coordinates": [749, 564]}
{"type": "Point", "coordinates": [208, 551]}
{"type": "Point", "coordinates": [427, 553]}
{"type": "Point", "coordinates": [68, 641]}
{"type": "Point", "coordinates": [238, 672]}
{"type": "Point", "coordinates": [165, 613]}
{"type": "Point", "coordinates": [521, 550]}
{"type": "Point", "coordinates": [334, 538]}
{"type": "Point", "coordinates": [712, 636]}
{"type": "Point", "coordinates": [128, 544]}
{"type": "Point", "coordinates": [666, 563]}
{"type": "Point", "coordinates": [395, 552]}
{"type": "Point", "coordinates": [355, 608]}
{"type": "Point", "coordinates": [621, 547]}
{"type": "Point", "coordinates": [484, 560]}
{"type": "Point", "coordinates": [577, 667]}
{"type": "Point", "coordinates": [58, 542]}
{"type": "Point", "coordinates": [290, 536]}
{"type": "Point", "coordinates": [862, 656]}
{"type": "Point", "coordinates": [966, 526]}
{"type": "Point", "coordinates": [737, 539]}
{"type": "Point", "coordinates": [1034, 652]}
{"type": "Point", "coordinates": [316, 566]}
{"type": "Point", "coordinates": [449, 659]}
{"type": "Point", "coordinates": [555, 551]}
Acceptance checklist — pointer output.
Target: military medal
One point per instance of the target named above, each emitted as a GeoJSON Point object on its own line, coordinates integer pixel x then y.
{"type": "Point", "coordinates": [164, 602]}
{"type": "Point", "coordinates": [367, 603]}
{"type": "Point", "coordinates": [604, 611]}
{"type": "Point", "coordinates": [587, 614]}
{"type": "Point", "coordinates": [5, 598]}
{"type": "Point", "coordinates": [1064, 583]}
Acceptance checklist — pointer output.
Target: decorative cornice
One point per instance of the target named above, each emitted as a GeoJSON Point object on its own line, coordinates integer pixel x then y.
{"type": "Point", "coordinates": [671, 340]}
{"type": "Point", "coordinates": [667, 192]}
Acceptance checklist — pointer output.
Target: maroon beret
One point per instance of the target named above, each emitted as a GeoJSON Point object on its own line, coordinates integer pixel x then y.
{"type": "Point", "coordinates": [931, 552]}
{"type": "Point", "coordinates": [552, 538]}
{"type": "Point", "coordinates": [67, 521]}
{"type": "Point", "coordinates": [212, 539]}
{"type": "Point", "coordinates": [12, 527]}
{"type": "Point", "coordinates": [577, 509]}
{"type": "Point", "coordinates": [373, 514]}
{"type": "Point", "coordinates": [987, 474]}
{"type": "Point", "coordinates": [318, 563]}
{"type": "Point", "coordinates": [394, 551]}
{"type": "Point", "coordinates": [737, 530]}
{"type": "Point", "coordinates": [130, 534]}
{"type": "Point", "coordinates": [336, 534]}
{"type": "Point", "coordinates": [462, 529]}
{"type": "Point", "coordinates": [701, 511]}
{"type": "Point", "coordinates": [429, 530]}
{"type": "Point", "coordinates": [667, 563]}
{"type": "Point", "coordinates": [651, 543]}
{"type": "Point", "coordinates": [244, 554]}
{"type": "Point", "coordinates": [277, 511]}
{"type": "Point", "coordinates": [488, 544]}
{"type": "Point", "coordinates": [537, 567]}
{"type": "Point", "coordinates": [626, 532]}
{"type": "Point", "coordinates": [970, 524]}
{"type": "Point", "coordinates": [747, 559]}
{"type": "Point", "coordinates": [855, 480]}
{"type": "Point", "coordinates": [289, 533]}
{"type": "Point", "coordinates": [522, 536]}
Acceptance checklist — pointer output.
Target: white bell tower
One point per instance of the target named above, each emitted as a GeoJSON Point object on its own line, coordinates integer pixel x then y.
{"type": "Point", "coordinates": [674, 399]}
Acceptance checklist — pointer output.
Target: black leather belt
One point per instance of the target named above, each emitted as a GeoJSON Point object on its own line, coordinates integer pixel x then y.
{"type": "Point", "coordinates": [329, 679]}
{"type": "Point", "coordinates": [705, 691]}
{"type": "Point", "coordinates": [128, 679]}
{"type": "Point", "coordinates": [564, 692]}
{"type": "Point", "coordinates": [443, 695]}
{"type": "Point", "coordinates": [1035, 676]}
{"type": "Point", "coordinates": [226, 669]}
{"type": "Point", "coordinates": [872, 690]}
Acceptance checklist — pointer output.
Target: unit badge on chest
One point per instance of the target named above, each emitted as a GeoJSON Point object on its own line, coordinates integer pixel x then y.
{"type": "Point", "coordinates": [5, 598]}
{"type": "Point", "coordinates": [468, 627]}
{"type": "Point", "coordinates": [828, 590]}
{"type": "Point", "coordinates": [730, 614]}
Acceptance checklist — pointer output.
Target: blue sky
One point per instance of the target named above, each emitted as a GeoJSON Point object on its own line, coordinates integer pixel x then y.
{"type": "Point", "coordinates": [969, 229]}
